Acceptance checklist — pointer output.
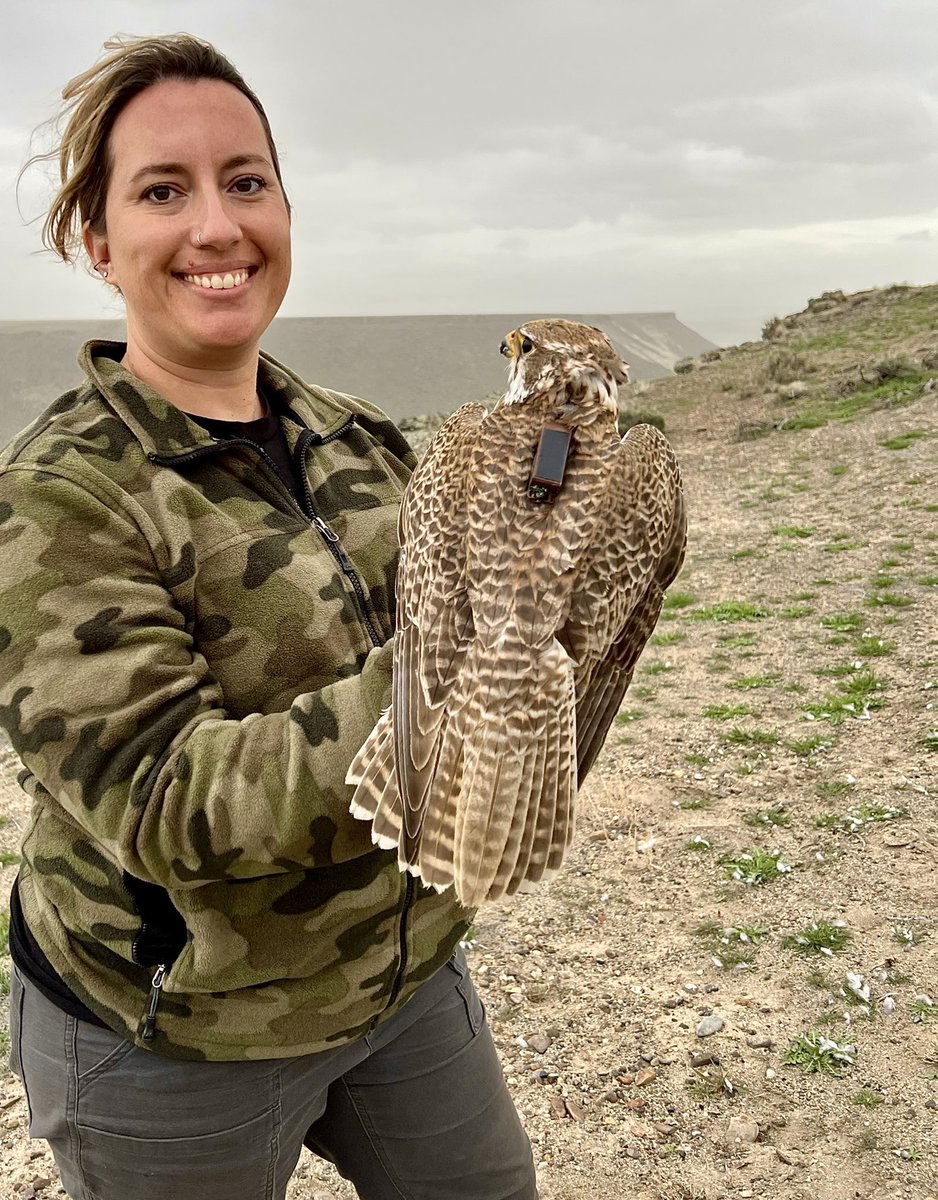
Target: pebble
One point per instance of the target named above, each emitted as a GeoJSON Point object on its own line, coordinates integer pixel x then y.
{"type": "Point", "coordinates": [742, 1128]}
{"type": "Point", "coordinates": [710, 1025]}
{"type": "Point", "coordinates": [759, 1042]}
{"type": "Point", "coordinates": [645, 1076]}
{"type": "Point", "coordinates": [539, 1043]}
{"type": "Point", "coordinates": [704, 1060]}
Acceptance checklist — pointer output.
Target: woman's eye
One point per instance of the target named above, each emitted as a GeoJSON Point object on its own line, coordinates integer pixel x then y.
{"type": "Point", "coordinates": [160, 193]}
{"type": "Point", "coordinates": [249, 185]}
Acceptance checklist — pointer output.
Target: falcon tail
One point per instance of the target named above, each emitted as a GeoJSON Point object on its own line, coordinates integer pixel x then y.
{"type": "Point", "coordinates": [499, 813]}
{"type": "Point", "coordinates": [513, 815]}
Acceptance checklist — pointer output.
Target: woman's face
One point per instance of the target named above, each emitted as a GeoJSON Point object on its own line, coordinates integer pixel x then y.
{"type": "Point", "coordinates": [197, 230]}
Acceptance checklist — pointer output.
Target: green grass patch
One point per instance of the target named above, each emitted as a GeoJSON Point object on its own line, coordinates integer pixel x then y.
{"type": "Point", "coordinates": [795, 612]}
{"type": "Point", "coordinates": [738, 641]}
{"type": "Point", "coordinates": [698, 844]}
{"type": "Point", "coordinates": [7, 859]}
{"type": "Point", "coordinates": [629, 715]}
{"type": "Point", "coordinates": [834, 789]}
{"type": "Point", "coordinates": [750, 737]}
{"type": "Point", "coordinates": [793, 531]}
{"type": "Point", "coordinates": [889, 600]}
{"type": "Point", "coordinates": [883, 581]}
{"type": "Point", "coordinates": [727, 712]}
{"type": "Point", "coordinates": [923, 1008]}
{"type": "Point", "coordinates": [775, 817]}
{"type": "Point", "coordinates": [844, 622]}
{"type": "Point", "coordinates": [731, 610]}
{"type": "Point", "coordinates": [860, 815]}
{"type": "Point", "coordinates": [697, 760]}
{"type": "Point", "coordinates": [813, 1052]}
{"type": "Point", "coordinates": [731, 947]}
{"type": "Point", "coordinates": [753, 682]}
{"type": "Point", "coordinates": [856, 697]}
{"type": "Point", "coordinates": [873, 647]}
{"type": "Point", "coordinates": [820, 937]}
{"type": "Point", "coordinates": [678, 600]}
{"type": "Point", "coordinates": [902, 441]}
{"type": "Point", "coordinates": [753, 867]}
{"type": "Point", "coordinates": [4, 933]}
{"type": "Point", "coordinates": [695, 803]}
{"type": "Point", "coordinates": [668, 639]}
{"type": "Point", "coordinates": [867, 1098]}
{"type": "Point", "coordinates": [805, 747]}
{"type": "Point", "coordinates": [907, 933]}
{"type": "Point", "coordinates": [930, 741]}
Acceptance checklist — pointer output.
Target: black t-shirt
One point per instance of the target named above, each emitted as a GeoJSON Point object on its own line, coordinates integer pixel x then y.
{"type": "Point", "coordinates": [267, 433]}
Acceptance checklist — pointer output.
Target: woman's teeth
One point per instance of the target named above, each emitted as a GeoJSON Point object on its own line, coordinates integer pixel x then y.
{"type": "Point", "coordinates": [230, 280]}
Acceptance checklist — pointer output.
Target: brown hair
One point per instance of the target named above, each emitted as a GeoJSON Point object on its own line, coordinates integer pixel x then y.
{"type": "Point", "coordinates": [93, 101]}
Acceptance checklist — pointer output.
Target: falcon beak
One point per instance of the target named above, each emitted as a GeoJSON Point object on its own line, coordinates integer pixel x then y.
{"type": "Point", "coordinates": [509, 346]}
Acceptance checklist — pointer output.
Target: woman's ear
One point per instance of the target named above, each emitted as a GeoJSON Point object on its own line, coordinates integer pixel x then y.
{"type": "Point", "coordinates": [96, 248]}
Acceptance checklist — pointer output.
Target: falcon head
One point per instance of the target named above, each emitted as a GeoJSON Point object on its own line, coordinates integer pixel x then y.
{"type": "Point", "coordinates": [553, 353]}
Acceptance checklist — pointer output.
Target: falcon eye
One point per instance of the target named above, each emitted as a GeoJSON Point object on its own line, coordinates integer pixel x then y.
{"type": "Point", "coordinates": [526, 345]}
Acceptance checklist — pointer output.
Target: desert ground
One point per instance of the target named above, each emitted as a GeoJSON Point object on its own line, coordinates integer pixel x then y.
{"type": "Point", "coordinates": [731, 990]}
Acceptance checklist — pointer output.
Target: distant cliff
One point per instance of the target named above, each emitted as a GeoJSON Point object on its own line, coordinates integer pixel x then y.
{"type": "Point", "coordinates": [405, 365]}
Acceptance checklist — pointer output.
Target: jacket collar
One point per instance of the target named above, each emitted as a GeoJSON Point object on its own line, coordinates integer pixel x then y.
{"type": "Point", "coordinates": [165, 431]}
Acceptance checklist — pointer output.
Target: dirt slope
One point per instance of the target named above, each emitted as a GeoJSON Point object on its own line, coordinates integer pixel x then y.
{"type": "Point", "coordinates": [785, 706]}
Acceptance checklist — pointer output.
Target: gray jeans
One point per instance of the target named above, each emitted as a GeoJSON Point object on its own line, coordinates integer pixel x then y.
{"type": "Point", "coordinates": [418, 1110]}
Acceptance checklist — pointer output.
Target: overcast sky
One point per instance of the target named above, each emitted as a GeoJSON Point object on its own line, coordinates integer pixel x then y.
{"type": "Point", "coordinates": [724, 159]}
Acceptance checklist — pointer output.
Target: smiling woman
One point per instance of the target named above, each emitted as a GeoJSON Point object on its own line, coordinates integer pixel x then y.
{"type": "Point", "coordinates": [196, 624]}
{"type": "Point", "coordinates": [196, 235]}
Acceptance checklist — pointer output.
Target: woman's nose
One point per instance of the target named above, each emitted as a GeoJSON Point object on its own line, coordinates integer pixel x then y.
{"type": "Point", "coordinates": [214, 224]}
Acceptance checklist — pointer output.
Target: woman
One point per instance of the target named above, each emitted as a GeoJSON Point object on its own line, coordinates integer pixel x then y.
{"type": "Point", "coordinates": [213, 964]}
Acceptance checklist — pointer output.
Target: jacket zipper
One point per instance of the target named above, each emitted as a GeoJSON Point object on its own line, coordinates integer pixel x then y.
{"type": "Point", "coordinates": [156, 989]}
{"type": "Point", "coordinates": [307, 437]}
{"type": "Point", "coordinates": [399, 977]}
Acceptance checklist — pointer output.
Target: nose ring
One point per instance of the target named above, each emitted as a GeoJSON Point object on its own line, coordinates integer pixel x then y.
{"type": "Point", "coordinates": [198, 238]}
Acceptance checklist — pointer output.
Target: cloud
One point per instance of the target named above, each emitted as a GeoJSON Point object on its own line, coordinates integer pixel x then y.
{"type": "Point", "coordinates": [723, 159]}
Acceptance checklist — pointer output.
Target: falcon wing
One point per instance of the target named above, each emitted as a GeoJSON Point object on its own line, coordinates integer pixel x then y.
{"type": "Point", "coordinates": [434, 620]}
{"type": "Point", "coordinates": [636, 553]}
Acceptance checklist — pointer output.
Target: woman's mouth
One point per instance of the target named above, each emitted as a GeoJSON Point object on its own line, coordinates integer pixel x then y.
{"type": "Point", "coordinates": [220, 281]}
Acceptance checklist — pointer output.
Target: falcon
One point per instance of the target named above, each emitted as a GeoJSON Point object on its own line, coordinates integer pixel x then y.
{"type": "Point", "coordinates": [536, 546]}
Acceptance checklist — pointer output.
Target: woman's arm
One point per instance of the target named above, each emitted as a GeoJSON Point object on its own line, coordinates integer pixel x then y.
{"type": "Point", "coordinates": [115, 712]}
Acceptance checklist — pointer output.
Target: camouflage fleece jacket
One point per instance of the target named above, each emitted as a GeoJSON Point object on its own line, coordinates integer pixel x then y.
{"type": "Point", "coordinates": [188, 661]}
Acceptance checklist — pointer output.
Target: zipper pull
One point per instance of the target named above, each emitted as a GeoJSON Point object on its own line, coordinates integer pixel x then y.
{"type": "Point", "coordinates": [156, 987]}
{"type": "Point", "coordinates": [325, 530]}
